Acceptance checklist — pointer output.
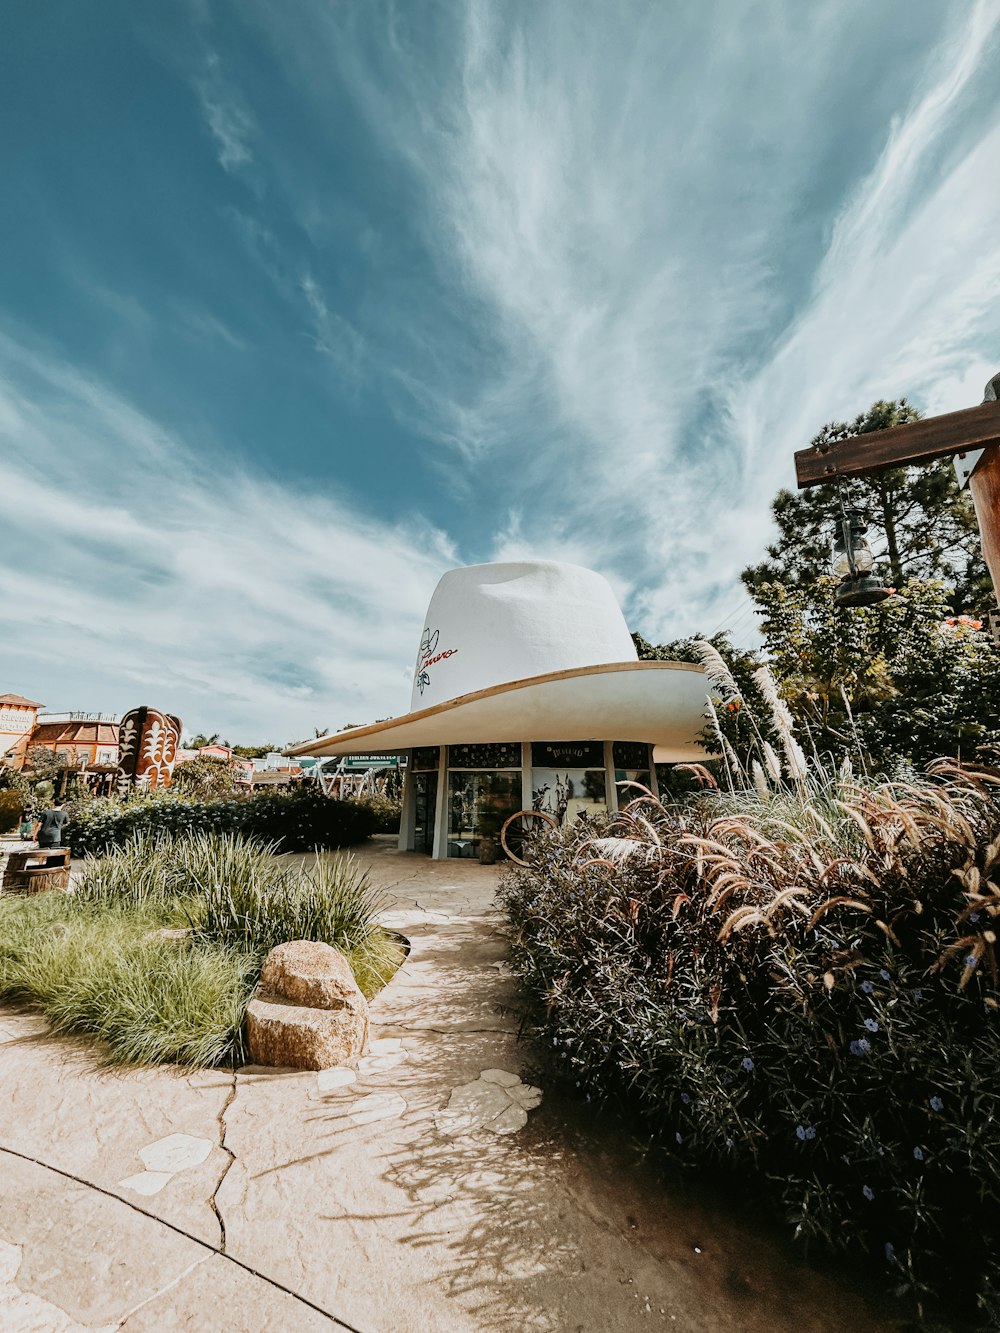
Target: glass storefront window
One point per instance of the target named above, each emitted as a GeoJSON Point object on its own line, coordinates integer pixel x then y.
{"type": "Point", "coordinates": [478, 804]}
{"type": "Point", "coordinates": [506, 754]}
{"type": "Point", "coordinates": [631, 760]}
{"type": "Point", "coordinates": [426, 758]}
{"type": "Point", "coordinates": [568, 779]}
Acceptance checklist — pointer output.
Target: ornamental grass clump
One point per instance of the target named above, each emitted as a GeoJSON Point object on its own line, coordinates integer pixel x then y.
{"type": "Point", "coordinates": [253, 900]}
{"type": "Point", "coordinates": [159, 949]}
{"type": "Point", "coordinates": [794, 982]}
{"type": "Point", "coordinates": [145, 869]}
{"type": "Point", "coordinates": [97, 968]}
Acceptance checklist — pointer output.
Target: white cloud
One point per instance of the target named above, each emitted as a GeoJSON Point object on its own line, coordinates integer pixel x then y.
{"type": "Point", "coordinates": [629, 201]}
{"type": "Point", "coordinates": [333, 335]}
{"type": "Point", "coordinates": [666, 253]}
{"type": "Point", "coordinates": [227, 116]}
{"type": "Point", "coordinates": [138, 572]}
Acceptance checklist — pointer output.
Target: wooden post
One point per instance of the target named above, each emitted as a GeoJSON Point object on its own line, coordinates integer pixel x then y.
{"type": "Point", "coordinates": [984, 483]}
{"type": "Point", "coordinates": [974, 429]}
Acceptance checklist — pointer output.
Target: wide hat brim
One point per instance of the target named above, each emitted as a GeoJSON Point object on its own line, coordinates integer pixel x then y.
{"type": "Point", "coordinates": [659, 703]}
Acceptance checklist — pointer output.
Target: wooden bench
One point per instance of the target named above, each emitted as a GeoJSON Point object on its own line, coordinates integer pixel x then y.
{"type": "Point", "coordinates": [37, 871]}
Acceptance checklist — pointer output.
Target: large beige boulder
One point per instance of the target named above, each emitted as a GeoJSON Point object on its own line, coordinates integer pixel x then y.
{"type": "Point", "coordinates": [308, 1012]}
{"type": "Point", "coordinates": [311, 974]}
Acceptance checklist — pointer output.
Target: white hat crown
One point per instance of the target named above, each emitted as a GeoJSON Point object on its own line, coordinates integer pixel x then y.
{"type": "Point", "coordinates": [488, 625]}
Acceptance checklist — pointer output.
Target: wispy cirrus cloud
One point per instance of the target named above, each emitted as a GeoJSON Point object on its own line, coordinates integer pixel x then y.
{"type": "Point", "coordinates": [588, 274]}
{"type": "Point", "coordinates": [195, 585]}
{"type": "Point", "coordinates": [227, 115]}
{"type": "Point", "coordinates": [689, 243]}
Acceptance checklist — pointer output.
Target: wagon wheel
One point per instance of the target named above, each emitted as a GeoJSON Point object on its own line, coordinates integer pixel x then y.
{"type": "Point", "coordinates": [525, 822]}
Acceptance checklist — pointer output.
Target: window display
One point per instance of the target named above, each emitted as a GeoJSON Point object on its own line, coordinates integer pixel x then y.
{"type": "Point", "coordinates": [503, 755]}
{"type": "Point", "coordinates": [631, 765]}
{"type": "Point", "coordinates": [478, 804]}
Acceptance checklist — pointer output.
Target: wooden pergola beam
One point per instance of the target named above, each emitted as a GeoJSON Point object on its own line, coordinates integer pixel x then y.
{"type": "Point", "coordinates": [916, 442]}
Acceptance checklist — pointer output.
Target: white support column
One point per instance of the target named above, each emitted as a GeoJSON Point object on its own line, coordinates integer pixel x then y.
{"type": "Point", "coordinates": [408, 813]}
{"type": "Point", "coordinates": [440, 852]}
{"type": "Point", "coordinates": [526, 775]}
{"type": "Point", "coordinates": [654, 786]}
{"type": "Point", "coordinates": [609, 776]}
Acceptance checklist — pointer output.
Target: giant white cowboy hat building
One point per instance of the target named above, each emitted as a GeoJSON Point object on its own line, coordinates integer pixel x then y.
{"type": "Point", "coordinates": [527, 693]}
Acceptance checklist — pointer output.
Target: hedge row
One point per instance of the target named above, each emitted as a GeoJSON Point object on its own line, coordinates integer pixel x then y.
{"type": "Point", "coordinates": [303, 820]}
{"type": "Point", "coordinates": [803, 996]}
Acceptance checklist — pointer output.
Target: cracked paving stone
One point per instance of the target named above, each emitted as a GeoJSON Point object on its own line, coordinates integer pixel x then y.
{"type": "Point", "coordinates": [27, 1312]}
{"type": "Point", "coordinates": [386, 1053]}
{"type": "Point", "coordinates": [328, 1080]}
{"type": "Point", "coordinates": [377, 1106]}
{"type": "Point", "coordinates": [497, 1100]}
{"type": "Point", "coordinates": [164, 1159]}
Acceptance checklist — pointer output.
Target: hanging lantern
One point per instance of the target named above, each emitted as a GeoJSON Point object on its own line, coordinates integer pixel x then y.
{"type": "Point", "coordinates": [853, 563]}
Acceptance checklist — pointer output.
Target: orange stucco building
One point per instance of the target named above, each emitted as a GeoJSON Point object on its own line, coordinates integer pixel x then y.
{"type": "Point", "coordinates": [86, 739]}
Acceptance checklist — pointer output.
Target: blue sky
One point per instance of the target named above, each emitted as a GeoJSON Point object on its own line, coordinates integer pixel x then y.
{"type": "Point", "coordinates": [302, 305]}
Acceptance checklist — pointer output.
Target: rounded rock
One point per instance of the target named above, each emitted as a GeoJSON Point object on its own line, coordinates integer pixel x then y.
{"type": "Point", "coordinates": [310, 974]}
{"type": "Point", "coordinates": [283, 1034]}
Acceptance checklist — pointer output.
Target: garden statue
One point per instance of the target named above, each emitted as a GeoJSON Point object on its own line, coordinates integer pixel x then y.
{"type": "Point", "coordinates": [148, 741]}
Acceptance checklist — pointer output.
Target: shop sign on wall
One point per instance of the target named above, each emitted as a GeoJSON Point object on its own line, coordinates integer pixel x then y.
{"type": "Point", "coordinates": [16, 719]}
{"type": "Point", "coordinates": [568, 754]}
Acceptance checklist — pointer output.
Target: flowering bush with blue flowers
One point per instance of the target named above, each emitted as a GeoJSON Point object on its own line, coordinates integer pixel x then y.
{"type": "Point", "coordinates": [301, 820]}
{"type": "Point", "coordinates": [795, 983]}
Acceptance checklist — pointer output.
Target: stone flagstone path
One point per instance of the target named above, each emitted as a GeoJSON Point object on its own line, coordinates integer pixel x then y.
{"type": "Point", "coordinates": [430, 1187]}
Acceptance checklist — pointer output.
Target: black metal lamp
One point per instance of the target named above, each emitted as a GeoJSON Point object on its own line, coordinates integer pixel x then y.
{"type": "Point", "coordinates": [853, 562]}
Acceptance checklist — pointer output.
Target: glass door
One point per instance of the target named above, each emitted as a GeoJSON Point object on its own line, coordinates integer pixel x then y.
{"type": "Point", "coordinates": [425, 786]}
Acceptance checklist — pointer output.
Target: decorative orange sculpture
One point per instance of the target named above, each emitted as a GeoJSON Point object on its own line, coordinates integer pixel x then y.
{"type": "Point", "coordinates": [148, 741]}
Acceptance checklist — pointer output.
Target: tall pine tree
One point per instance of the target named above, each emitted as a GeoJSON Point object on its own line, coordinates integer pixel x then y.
{"type": "Point", "coordinates": [924, 524]}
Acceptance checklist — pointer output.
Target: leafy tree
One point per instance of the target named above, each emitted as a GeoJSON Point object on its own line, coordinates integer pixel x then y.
{"type": "Point", "coordinates": [12, 780]}
{"type": "Point", "coordinates": [731, 715]}
{"type": "Point", "coordinates": [252, 751]}
{"type": "Point", "coordinates": [12, 805]}
{"type": "Point", "coordinates": [201, 740]}
{"type": "Point", "coordinates": [205, 777]}
{"type": "Point", "coordinates": [45, 765]}
{"type": "Point", "coordinates": [927, 523]}
{"type": "Point", "coordinates": [901, 681]}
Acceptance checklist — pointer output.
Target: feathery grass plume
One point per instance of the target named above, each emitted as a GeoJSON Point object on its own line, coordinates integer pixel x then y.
{"type": "Point", "coordinates": [798, 766]}
{"type": "Point", "coordinates": [854, 731]}
{"type": "Point", "coordinates": [765, 682]}
{"type": "Point", "coordinates": [773, 763]}
{"type": "Point", "coordinates": [716, 670]}
{"type": "Point", "coordinates": [616, 851]}
{"type": "Point", "coordinates": [733, 758]}
{"type": "Point", "coordinates": [717, 729]}
{"type": "Point", "coordinates": [760, 781]}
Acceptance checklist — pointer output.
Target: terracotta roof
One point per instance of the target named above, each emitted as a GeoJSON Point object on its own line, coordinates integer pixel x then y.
{"type": "Point", "coordinates": [75, 733]}
{"type": "Point", "coordinates": [19, 701]}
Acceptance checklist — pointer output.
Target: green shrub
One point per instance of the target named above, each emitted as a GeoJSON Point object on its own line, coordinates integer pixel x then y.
{"type": "Point", "coordinates": [298, 821]}
{"type": "Point", "coordinates": [207, 777]}
{"type": "Point", "coordinates": [11, 807]}
{"type": "Point", "coordinates": [386, 810]}
{"type": "Point", "coordinates": [799, 990]}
